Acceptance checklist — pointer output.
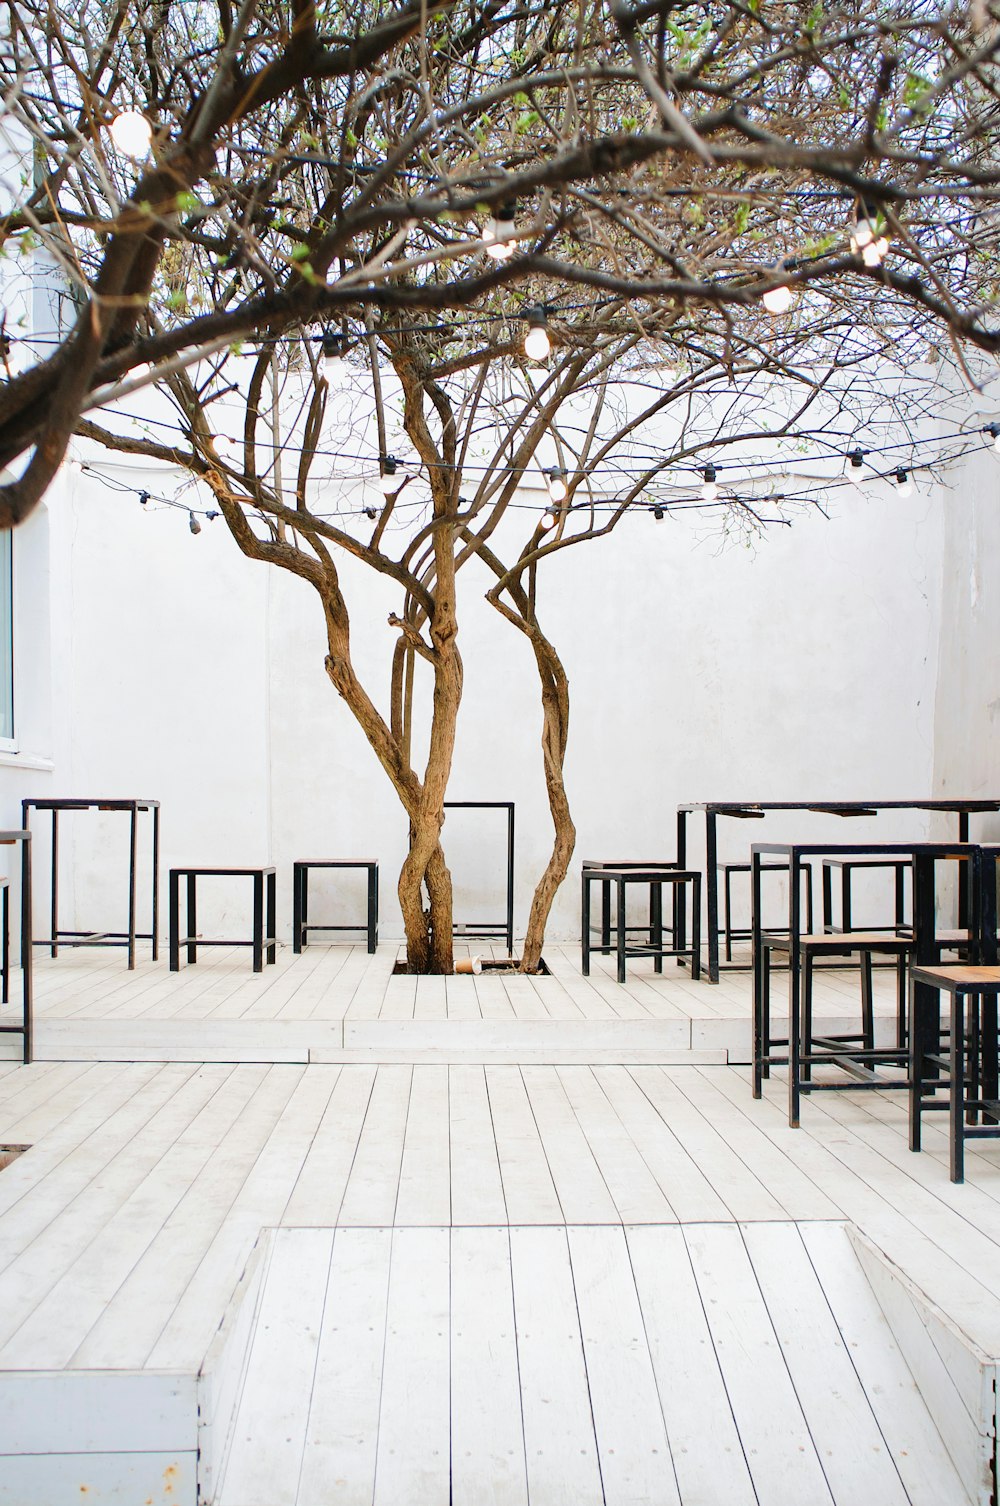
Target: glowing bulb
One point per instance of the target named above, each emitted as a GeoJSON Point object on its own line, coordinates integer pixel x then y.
{"type": "Point", "coordinates": [778, 300]}
{"type": "Point", "coordinates": [873, 253]}
{"type": "Point", "coordinates": [549, 520]}
{"type": "Point", "coordinates": [498, 233]}
{"type": "Point", "coordinates": [132, 134]}
{"type": "Point", "coordinates": [555, 481]}
{"type": "Point", "coordinates": [710, 489]}
{"type": "Point", "coordinates": [904, 487]}
{"type": "Point", "coordinates": [537, 344]}
{"type": "Point", "coordinates": [224, 444]}
{"type": "Point", "coordinates": [863, 235]}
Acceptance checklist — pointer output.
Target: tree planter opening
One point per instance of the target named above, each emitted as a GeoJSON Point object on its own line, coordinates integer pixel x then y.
{"type": "Point", "coordinates": [10, 1153]}
{"type": "Point", "coordinates": [507, 965]}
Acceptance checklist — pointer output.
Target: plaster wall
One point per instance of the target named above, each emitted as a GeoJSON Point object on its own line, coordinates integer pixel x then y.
{"type": "Point", "coordinates": [967, 698]}
{"type": "Point", "coordinates": [803, 668]}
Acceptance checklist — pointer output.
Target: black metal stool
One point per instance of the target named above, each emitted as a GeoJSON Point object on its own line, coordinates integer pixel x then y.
{"type": "Point", "coordinates": [259, 941]}
{"type": "Point", "coordinates": [970, 1063]}
{"type": "Point", "coordinates": [739, 933]}
{"type": "Point", "coordinates": [854, 1052]}
{"type": "Point", "coordinates": [300, 900]}
{"type": "Point", "coordinates": [899, 867]}
{"type": "Point", "coordinates": [5, 940]}
{"type": "Point", "coordinates": [655, 895]}
{"type": "Point", "coordinates": [623, 945]}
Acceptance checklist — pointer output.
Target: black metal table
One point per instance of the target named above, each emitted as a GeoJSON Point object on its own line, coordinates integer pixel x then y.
{"type": "Point", "coordinates": [744, 810]}
{"type": "Point", "coordinates": [262, 944]}
{"type": "Point", "coordinates": [128, 938]}
{"type": "Point", "coordinates": [488, 930]}
{"type": "Point", "coordinates": [925, 856]}
{"type": "Point", "coordinates": [26, 1027]}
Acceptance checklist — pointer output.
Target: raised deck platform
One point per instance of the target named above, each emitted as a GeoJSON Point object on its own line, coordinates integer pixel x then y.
{"type": "Point", "coordinates": [137, 1250]}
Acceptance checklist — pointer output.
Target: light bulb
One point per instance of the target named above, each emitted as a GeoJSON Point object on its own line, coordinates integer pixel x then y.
{"type": "Point", "coordinates": [996, 444]}
{"type": "Point", "coordinates": [387, 480]}
{"type": "Point", "coordinates": [863, 235]}
{"type": "Point", "coordinates": [132, 134]}
{"type": "Point", "coordinates": [874, 251]}
{"type": "Point", "coordinates": [224, 444]}
{"type": "Point", "coordinates": [537, 344]}
{"type": "Point", "coordinates": [904, 487]}
{"type": "Point", "coordinates": [332, 345]}
{"type": "Point", "coordinates": [193, 523]}
{"type": "Point", "coordinates": [778, 300]}
{"type": "Point", "coordinates": [548, 521]}
{"type": "Point", "coordinates": [556, 484]}
{"type": "Point", "coordinates": [498, 232]}
{"type": "Point", "coordinates": [710, 489]}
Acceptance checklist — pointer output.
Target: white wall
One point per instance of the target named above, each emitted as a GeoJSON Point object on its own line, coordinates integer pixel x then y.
{"type": "Point", "coordinates": [805, 668]}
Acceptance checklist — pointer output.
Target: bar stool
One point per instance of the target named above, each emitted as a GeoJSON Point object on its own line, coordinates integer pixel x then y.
{"type": "Point", "coordinates": [301, 926]}
{"type": "Point", "coordinates": [969, 1064]}
{"type": "Point", "coordinates": [733, 933]}
{"type": "Point", "coordinates": [899, 867]}
{"type": "Point", "coordinates": [854, 1052]}
{"type": "Point", "coordinates": [652, 878]}
{"type": "Point", "coordinates": [655, 896]}
{"type": "Point", "coordinates": [263, 941]}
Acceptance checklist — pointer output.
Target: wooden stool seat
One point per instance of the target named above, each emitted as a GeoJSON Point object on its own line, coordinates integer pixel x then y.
{"type": "Point", "coordinates": [970, 1077]}
{"type": "Point", "coordinates": [854, 1052]}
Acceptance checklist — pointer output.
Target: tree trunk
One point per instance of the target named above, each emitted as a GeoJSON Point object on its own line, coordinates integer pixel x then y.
{"type": "Point", "coordinates": [555, 730]}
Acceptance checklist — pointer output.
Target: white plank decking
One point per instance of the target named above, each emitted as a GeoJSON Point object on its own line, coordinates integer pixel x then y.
{"type": "Point", "coordinates": [338, 1004]}
{"type": "Point", "coordinates": [577, 1366]}
{"type": "Point", "coordinates": [465, 1197]}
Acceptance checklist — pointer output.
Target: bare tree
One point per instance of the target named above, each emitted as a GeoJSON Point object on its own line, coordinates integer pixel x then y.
{"type": "Point", "coordinates": [690, 199]}
{"type": "Point", "coordinates": [431, 457]}
{"type": "Point", "coordinates": [302, 157]}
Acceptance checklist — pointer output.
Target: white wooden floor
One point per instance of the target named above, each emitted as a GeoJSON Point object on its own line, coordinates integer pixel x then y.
{"type": "Point", "coordinates": [344, 982]}
{"type": "Point", "coordinates": [125, 1227]}
{"type": "Point", "coordinates": [577, 1366]}
{"type": "Point", "coordinates": [340, 1004]}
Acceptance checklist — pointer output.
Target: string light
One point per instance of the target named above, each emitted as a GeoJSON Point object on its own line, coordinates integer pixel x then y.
{"type": "Point", "coordinates": [332, 345]}
{"type": "Point", "coordinates": [778, 300]}
{"type": "Point", "coordinates": [225, 445]}
{"type": "Point", "coordinates": [994, 431]}
{"type": "Point", "coordinates": [499, 230]}
{"type": "Point", "coordinates": [387, 474]}
{"type": "Point", "coordinates": [193, 523]}
{"type": "Point", "coordinates": [537, 345]}
{"type": "Point", "coordinates": [555, 484]}
{"type": "Point", "coordinates": [658, 513]}
{"type": "Point", "coordinates": [710, 489]}
{"type": "Point", "coordinates": [867, 241]}
{"type": "Point", "coordinates": [132, 134]}
{"type": "Point", "coordinates": [857, 460]}
{"type": "Point", "coordinates": [904, 486]}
